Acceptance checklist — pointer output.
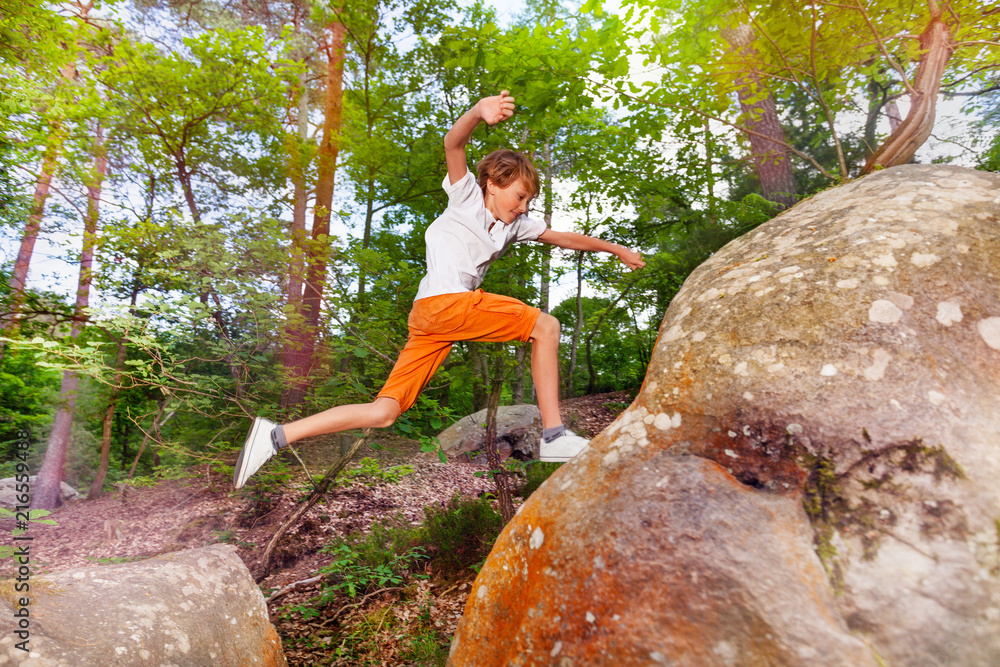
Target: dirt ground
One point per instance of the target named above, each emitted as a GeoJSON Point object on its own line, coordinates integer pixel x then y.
{"type": "Point", "coordinates": [202, 509]}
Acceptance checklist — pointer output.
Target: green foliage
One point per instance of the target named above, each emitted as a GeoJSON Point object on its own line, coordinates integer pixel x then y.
{"type": "Point", "coordinates": [350, 574]}
{"type": "Point", "coordinates": [536, 472]}
{"type": "Point", "coordinates": [452, 539]}
{"type": "Point", "coordinates": [372, 473]}
{"type": "Point", "coordinates": [987, 132]}
{"type": "Point", "coordinates": [31, 516]}
{"type": "Point", "coordinates": [115, 560]}
{"type": "Point", "coordinates": [832, 60]}
{"type": "Point", "coordinates": [265, 485]}
{"type": "Point", "coordinates": [26, 395]}
{"type": "Point", "coordinates": [425, 649]}
{"type": "Point", "coordinates": [429, 444]}
{"type": "Point", "coordinates": [460, 535]}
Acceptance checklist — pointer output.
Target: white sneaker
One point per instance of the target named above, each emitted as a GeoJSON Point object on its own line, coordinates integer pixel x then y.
{"type": "Point", "coordinates": [256, 451]}
{"type": "Point", "coordinates": [562, 448]}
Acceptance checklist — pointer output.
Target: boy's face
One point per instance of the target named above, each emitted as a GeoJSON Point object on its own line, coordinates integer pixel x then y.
{"type": "Point", "coordinates": [506, 204]}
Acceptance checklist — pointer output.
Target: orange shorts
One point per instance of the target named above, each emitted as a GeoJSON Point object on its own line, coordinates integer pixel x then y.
{"type": "Point", "coordinates": [438, 321]}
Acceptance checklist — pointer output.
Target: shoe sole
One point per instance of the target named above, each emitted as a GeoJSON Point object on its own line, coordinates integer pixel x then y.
{"type": "Point", "coordinates": [239, 461]}
{"type": "Point", "coordinates": [554, 459]}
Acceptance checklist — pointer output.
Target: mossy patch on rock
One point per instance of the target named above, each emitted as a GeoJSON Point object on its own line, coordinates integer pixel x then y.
{"type": "Point", "coordinates": [873, 506]}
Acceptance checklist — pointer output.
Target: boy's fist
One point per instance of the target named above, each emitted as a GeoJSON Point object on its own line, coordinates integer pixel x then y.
{"type": "Point", "coordinates": [496, 109]}
{"type": "Point", "coordinates": [631, 259]}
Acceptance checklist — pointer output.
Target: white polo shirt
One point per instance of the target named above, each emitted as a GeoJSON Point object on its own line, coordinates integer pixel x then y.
{"type": "Point", "coordinates": [460, 244]}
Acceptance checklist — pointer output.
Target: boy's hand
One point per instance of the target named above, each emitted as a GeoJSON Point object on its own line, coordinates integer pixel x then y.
{"type": "Point", "coordinates": [496, 109]}
{"type": "Point", "coordinates": [632, 260]}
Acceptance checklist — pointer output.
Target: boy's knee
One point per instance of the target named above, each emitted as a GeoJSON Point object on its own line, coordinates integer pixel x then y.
{"type": "Point", "coordinates": [547, 327]}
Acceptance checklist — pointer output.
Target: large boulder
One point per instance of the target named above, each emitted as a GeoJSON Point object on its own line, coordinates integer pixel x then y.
{"type": "Point", "coordinates": [195, 607]}
{"type": "Point", "coordinates": [519, 430]}
{"type": "Point", "coordinates": [9, 493]}
{"type": "Point", "coordinates": [809, 474]}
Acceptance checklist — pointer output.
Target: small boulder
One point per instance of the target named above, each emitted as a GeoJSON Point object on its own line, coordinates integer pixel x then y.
{"type": "Point", "coordinates": [194, 607]}
{"type": "Point", "coordinates": [9, 492]}
{"type": "Point", "coordinates": [519, 428]}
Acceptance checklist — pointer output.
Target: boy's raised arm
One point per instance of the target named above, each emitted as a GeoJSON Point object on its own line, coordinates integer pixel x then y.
{"type": "Point", "coordinates": [574, 241]}
{"type": "Point", "coordinates": [492, 110]}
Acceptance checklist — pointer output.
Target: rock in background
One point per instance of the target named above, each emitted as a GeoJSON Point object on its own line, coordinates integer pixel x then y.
{"type": "Point", "coordinates": [519, 429]}
{"type": "Point", "coordinates": [810, 473]}
{"type": "Point", "coordinates": [8, 492]}
{"type": "Point", "coordinates": [195, 607]}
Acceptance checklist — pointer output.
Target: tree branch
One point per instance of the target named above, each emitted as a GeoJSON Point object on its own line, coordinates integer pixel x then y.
{"type": "Point", "coordinates": [708, 116]}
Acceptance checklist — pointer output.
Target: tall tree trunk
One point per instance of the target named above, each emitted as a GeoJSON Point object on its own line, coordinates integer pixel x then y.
{"type": "Point", "coordinates": [767, 138]}
{"type": "Point", "coordinates": [19, 276]}
{"type": "Point", "coordinates": [543, 290]}
{"type": "Point", "coordinates": [480, 376]}
{"type": "Point", "coordinates": [876, 103]}
{"type": "Point", "coordinates": [97, 487]}
{"type": "Point", "coordinates": [592, 382]}
{"type": "Point", "coordinates": [520, 364]}
{"type": "Point", "coordinates": [500, 478]}
{"type": "Point", "coordinates": [294, 357]}
{"type": "Point", "coordinates": [937, 46]}
{"type": "Point", "coordinates": [591, 372]}
{"type": "Point", "coordinates": [184, 175]}
{"type": "Point", "coordinates": [710, 172]}
{"type": "Point", "coordinates": [49, 481]}
{"type": "Point", "coordinates": [578, 327]}
{"type": "Point", "coordinates": [366, 239]}
{"type": "Point", "coordinates": [43, 184]}
{"type": "Point", "coordinates": [517, 384]}
{"type": "Point", "coordinates": [312, 296]}
{"type": "Point", "coordinates": [161, 404]}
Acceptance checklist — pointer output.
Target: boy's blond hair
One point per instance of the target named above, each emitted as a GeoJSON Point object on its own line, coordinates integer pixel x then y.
{"type": "Point", "coordinates": [504, 167]}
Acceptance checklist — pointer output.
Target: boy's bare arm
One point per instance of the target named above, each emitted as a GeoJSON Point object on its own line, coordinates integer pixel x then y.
{"type": "Point", "coordinates": [574, 241]}
{"type": "Point", "coordinates": [492, 110]}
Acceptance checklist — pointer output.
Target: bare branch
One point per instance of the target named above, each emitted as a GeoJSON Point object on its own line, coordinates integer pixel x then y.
{"type": "Point", "coordinates": [708, 116]}
{"type": "Point", "coordinates": [977, 42]}
{"type": "Point", "coordinates": [844, 173]}
{"type": "Point", "coordinates": [885, 52]}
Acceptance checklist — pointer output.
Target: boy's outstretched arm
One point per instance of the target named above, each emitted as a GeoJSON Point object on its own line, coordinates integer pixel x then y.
{"type": "Point", "coordinates": [492, 110]}
{"type": "Point", "coordinates": [574, 241]}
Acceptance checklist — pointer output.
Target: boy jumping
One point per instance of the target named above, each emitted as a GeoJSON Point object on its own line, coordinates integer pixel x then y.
{"type": "Point", "coordinates": [449, 307]}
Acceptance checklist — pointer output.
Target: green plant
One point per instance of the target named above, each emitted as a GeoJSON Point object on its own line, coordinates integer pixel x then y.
{"type": "Point", "coordinates": [275, 473]}
{"type": "Point", "coordinates": [228, 536]}
{"type": "Point", "coordinates": [371, 472]}
{"type": "Point", "coordinates": [536, 472]}
{"type": "Point", "coordinates": [616, 407]}
{"type": "Point", "coordinates": [460, 535]}
{"type": "Point", "coordinates": [350, 573]}
{"type": "Point", "coordinates": [429, 444]}
{"type": "Point", "coordinates": [425, 649]}
{"type": "Point", "coordinates": [21, 526]}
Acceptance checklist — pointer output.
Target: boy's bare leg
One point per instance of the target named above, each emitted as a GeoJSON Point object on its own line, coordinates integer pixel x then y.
{"type": "Point", "coordinates": [545, 368]}
{"type": "Point", "coordinates": [380, 413]}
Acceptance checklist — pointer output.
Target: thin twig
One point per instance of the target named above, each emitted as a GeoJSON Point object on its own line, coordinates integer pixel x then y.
{"type": "Point", "coordinates": [885, 52]}
{"type": "Point", "coordinates": [358, 604]}
{"type": "Point", "coordinates": [301, 463]}
{"type": "Point", "coordinates": [844, 173]}
{"type": "Point", "coordinates": [292, 586]}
